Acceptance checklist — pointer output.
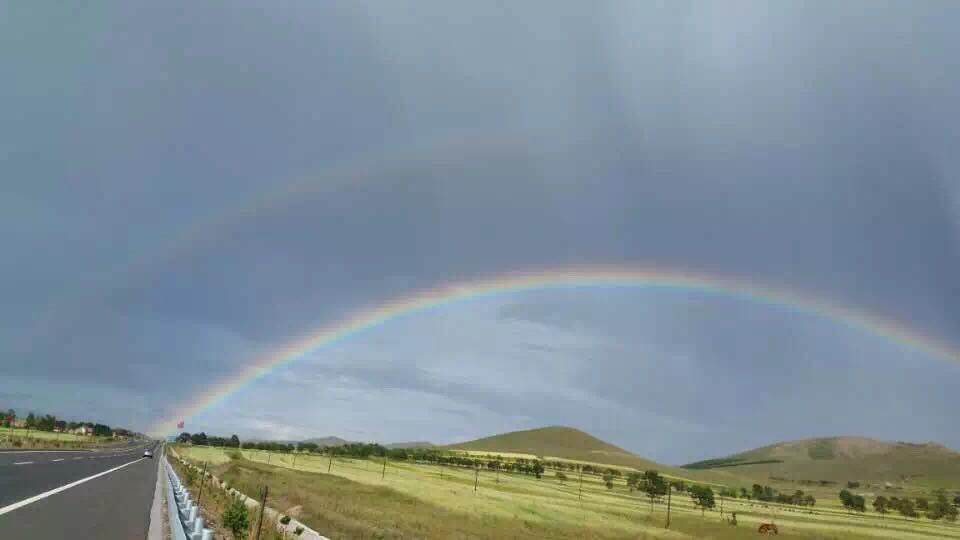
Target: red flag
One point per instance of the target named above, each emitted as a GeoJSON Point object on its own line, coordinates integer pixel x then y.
{"type": "Point", "coordinates": [180, 424]}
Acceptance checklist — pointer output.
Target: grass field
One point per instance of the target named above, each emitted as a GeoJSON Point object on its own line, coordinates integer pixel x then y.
{"type": "Point", "coordinates": [22, 438]}
{"type": "Point", "coordinates": [423, 501]}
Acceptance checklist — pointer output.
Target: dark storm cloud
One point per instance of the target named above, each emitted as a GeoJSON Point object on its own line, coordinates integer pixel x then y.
{"type": "Point", "coordinates": [797, 146]}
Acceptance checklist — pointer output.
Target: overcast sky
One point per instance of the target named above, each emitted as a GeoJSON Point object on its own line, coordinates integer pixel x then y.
{"type": "Point", "coordinates": [185, 187]}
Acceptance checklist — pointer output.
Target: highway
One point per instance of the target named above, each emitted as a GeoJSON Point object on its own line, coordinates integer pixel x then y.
{"type": "Point", "coordinates": [38, 500]}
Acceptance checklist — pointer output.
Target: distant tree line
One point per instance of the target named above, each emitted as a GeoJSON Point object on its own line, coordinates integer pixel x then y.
{"type": "Point", "coordinates": [201, 439]}
{"type": "Point", "coordinates": [49, 422]}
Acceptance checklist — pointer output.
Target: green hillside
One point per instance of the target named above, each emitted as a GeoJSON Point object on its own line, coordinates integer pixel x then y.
{"type": "Point", "coordinates": [843, 459]}
{"type": "Point", "coordinates": [562, 442]}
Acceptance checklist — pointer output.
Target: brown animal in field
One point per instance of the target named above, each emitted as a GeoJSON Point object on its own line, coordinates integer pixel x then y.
{"type": "Point", "coordinates": [768, 528]}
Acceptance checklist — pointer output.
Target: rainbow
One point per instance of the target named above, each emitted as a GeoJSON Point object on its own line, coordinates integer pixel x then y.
{"type": "Point", "coordinates": [565, 278]}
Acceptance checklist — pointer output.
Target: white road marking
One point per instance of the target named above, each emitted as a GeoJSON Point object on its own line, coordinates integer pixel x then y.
{"type": "Point", "coordinates": [55, 460]}
{"type": "Point", "coordinates": [79, 458]}
{"type": "Point", "coordinates": [40, 451]}
{"type": "Point", "coordinates": [11, 507]}
{"type": "Point", "coordinates": [23, 463]}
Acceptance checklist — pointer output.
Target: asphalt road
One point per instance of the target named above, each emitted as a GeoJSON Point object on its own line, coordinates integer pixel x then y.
{"type": "Point", "coordinates": [113, 506]}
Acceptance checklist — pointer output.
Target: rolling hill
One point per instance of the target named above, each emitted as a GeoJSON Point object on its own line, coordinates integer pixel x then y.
{"type": "Point", "coordinates": [843, 459]}
{"type": "Point", "coordinates": [410, 444]}
{"type": "Point", "coordinates": [559, 441]}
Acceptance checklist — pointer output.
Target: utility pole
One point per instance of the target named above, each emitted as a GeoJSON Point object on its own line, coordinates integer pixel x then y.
{"type": "Point", "coordinates": [330, 463]}
{"type": "Point", "coordinates": [721, 505]}
{"type": "Point", "coordinates": [383, 473]}
{"type": "Point", "coordinates": [263, 504]}
{"type": "Point", "coordinates": [476, 481]}
{"type": "Point", "coordinates": [669, 492]}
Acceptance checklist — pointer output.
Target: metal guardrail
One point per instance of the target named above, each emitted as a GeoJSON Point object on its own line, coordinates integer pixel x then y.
{"type": "Point", "coordinates": [184, 515]}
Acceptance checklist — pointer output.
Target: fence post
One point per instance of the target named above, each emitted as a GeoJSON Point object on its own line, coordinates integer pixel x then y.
{"type": "Point", "coordinates": [476, 480]}
{"type": "Point", "coordinates": [580, 495]}
{"type": "Point", "coordinates": [669, 492]}
{"type": "Point", "coordinates": [383, 473]}
{"type": "Point", "coordinates": [203, 476]}
{"type": "Point", "coordinates": [263, 504]}
{"type": "Point", "coordinates": [330, 463]}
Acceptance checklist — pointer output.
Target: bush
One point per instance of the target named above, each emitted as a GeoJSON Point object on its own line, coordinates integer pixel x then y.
{"type": "Point", "coordinates": [298, 531]}
{"type": "Point", "coordinates": [236, 517]}
{"type": "Point", "coordinates": [285, 520]}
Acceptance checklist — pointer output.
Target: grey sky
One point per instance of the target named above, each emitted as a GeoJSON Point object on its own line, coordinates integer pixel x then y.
{"type": "Point", "coordinates": [185, 187]}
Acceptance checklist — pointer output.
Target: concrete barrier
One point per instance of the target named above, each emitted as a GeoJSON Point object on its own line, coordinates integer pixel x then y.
{"type": "Point", "coordinates": [185, 520]}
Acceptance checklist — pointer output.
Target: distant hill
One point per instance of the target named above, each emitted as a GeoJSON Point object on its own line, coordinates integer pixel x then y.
{"type": "Point", "coordinates": [327, 441]}
{"type": "Point", "coordinates": [559, 441]}
{"type": "Point", "coordinates": [413, 444]}
{"type": "Point", "coordinates": [842, 459]}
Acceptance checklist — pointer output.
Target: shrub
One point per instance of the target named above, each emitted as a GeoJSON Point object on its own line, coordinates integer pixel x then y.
{"type": "Point", "coordinates": [236, 517]}
{"type": "Point", "coordinates": [298, 531]}
{"type": "Point", "coordinates": [285, 520]}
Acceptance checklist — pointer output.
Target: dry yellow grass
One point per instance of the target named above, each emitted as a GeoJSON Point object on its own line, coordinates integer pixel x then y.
{"type": "Point", "coordinates": [526, 504]}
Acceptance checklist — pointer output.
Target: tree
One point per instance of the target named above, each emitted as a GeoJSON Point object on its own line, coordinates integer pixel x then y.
{"type": "Point", "coordinates": [906, 508]}
{"type": "Point", "coordinates": [31, 421]}
{"type": "Point", "coordinates": [703, 497]}
{"type": "Point", "coordinates": [633, 480]}
{"type": "Point", "coordinates": [236, 517]}
{"type": "Point", "coordinates": [608, 480]}
{"type": "Point", "coordinates": [880, 504]}
{"type": "Point", "coordinates": [809, 500]}
{"type": "Point", "coordinates": [744, 494]}
{"type": "Point", "coordinates": [235, 442]}
{"type": "Point", "coordinates": [199, 438]}
{"type": "Point", "coordinates": [537, 469]}
{"type": "Point", "coordinates": [956, 500]}
{"type": "Point", "coordinates": [922, 503]}
{"type": "Point", "coordinates": [653, 485]}
{"type": "Point", "coordinates": [858, 503]}
{"type": "Point", "coordinates": [183, 437]}
{"type": "Point", "coordinates": [845, 498]}
{"type": "Point", "coordinates": [941, 508]}
{"type": "Point", "coordinates": [560, 476]}
{"type": "Point", "coordinates": [102, 430]}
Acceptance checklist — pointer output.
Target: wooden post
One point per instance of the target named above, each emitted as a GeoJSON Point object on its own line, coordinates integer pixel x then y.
{"type": "Point", "coordinates": [294, 460]}
{"type": "Point", "coordinates": [330, 463]}
{"type": "Point", "coordinates": [476, 481]}
{"type": "Point", "coordinates": [268, 457]}
{"type": "Point", "coordinates": [263, 504]}
{"type": "Point", "coordinates": [203, 476]}
{"type": "Point", "coordinates": [383, 473]}
{"type": "Point", "coordinates": [721, 506]}
{"type": "Point", "coordinates": [669, 492]}
{"type": "Point", "coordinates": [498, 472]}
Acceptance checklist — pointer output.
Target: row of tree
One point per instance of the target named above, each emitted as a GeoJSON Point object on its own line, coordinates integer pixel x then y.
{"type": "Point", "coordinates": [201, 439]}
{"type": "Point", "coordinates": [49, 422]}
{"type": "Point", "coordinates": [940, 508]}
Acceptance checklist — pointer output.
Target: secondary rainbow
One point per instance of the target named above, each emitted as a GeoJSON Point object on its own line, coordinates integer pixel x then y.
{"type": "Point", "coordinates": [565, 278]}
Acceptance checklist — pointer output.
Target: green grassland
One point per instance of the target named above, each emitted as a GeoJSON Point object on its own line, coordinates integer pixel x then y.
{"type": "Point", "coordinates": [23, 438]}
{"type": "Point", "coordinates": [361, 499]}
